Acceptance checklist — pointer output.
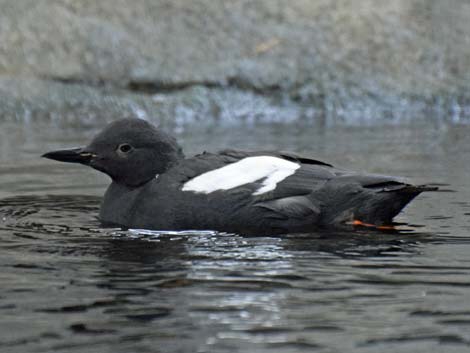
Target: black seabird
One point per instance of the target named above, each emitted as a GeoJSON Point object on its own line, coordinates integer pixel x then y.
{"type": "Point", "coordinates": [155, 187]}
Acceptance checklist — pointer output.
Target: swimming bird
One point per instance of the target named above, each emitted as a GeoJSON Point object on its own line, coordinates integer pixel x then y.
{"type": "Point", "coordinates": [154, 186]}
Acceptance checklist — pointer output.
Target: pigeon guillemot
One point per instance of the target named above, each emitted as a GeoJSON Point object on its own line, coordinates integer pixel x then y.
{"type": "Point", "coordinates": [155, 187]}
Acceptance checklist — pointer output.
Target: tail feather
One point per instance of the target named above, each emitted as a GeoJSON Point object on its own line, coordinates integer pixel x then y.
{"type": "Point", "coordinates": [397, 186]}
{"type": "Point", "coordinates": [376, 203]}
{"type": "Point", "coordinates": [414, 189]}
{"type": "Point", "coordinates": [385, 205]}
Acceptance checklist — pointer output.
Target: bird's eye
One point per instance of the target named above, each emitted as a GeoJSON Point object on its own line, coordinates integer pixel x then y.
{"type": "Point", "coordinates": [124, 148]}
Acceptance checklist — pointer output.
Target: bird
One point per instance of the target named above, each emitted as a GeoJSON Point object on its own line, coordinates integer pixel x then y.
{"type": "Point", "coordinates": [154, 186]}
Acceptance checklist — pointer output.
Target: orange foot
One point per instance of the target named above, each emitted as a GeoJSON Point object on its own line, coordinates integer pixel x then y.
{"type": "Point", "coordinates": [358, 223]}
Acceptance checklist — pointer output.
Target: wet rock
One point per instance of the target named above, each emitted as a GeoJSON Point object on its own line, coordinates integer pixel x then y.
{"type": "Point", "coordinates": [64, 103]}
{"type": "Point", "coordinates": [367, 57]}
{"type": "Point", "coordinates": [26, 99]}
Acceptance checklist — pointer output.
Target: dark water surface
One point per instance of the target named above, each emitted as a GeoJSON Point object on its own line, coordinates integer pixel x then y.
{"type": "Point", "coordinates": [68, 285]}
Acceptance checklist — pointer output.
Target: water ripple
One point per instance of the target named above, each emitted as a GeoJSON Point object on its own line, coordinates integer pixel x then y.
{"type": "Point", "coordinates": [207, 291]}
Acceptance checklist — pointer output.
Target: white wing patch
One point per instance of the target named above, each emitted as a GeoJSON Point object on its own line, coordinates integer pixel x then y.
{"type": "Point", "coordinates": [248, 170]}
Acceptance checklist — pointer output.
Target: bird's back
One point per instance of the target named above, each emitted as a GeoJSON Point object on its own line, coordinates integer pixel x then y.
{"type": "Point", "coordinates": [224, 191]}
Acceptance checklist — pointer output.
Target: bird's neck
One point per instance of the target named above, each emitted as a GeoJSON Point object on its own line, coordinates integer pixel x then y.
{"type": "Point", "coordinates": [119, 203]}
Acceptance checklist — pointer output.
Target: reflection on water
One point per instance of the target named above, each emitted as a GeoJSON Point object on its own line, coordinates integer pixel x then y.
{"type": "Point", "coordinates": [69, 285]}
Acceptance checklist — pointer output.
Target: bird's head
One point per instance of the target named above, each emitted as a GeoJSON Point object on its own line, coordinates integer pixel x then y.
{"type": "Point", "coordinates": [130, 151]}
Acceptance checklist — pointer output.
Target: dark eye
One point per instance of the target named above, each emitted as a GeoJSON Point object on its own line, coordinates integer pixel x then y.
{"type": "Point", "coordinates": [125, 148]}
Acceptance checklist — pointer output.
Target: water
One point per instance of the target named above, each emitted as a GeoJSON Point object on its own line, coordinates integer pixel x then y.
{"type": "Point", "coordinates": [68, 285]}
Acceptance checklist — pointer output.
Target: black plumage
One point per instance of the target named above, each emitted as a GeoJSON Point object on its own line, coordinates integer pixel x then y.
{"type": "Point", "coordinates": [149, 171]}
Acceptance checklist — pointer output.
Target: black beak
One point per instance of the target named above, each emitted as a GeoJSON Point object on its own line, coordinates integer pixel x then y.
{"type": "Point", "coordinates": [73, 155]}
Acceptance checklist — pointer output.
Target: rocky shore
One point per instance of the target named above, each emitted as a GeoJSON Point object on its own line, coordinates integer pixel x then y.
{"type": "Point", "coordinates": [178, 61]}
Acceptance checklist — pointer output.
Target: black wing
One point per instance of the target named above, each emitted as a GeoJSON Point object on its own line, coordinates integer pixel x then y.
{"type": "Point", "coordinates": [293, 202]}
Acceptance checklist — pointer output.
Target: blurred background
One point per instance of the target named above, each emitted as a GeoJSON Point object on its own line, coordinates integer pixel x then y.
{"type": "Point", "coordinates": [179, 61]}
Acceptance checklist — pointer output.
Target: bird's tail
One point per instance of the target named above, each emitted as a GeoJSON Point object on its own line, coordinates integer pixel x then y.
{"type": "Point", "coordinates": [414, 189]}
{"type": "Point", "coordinates": [382, 207]}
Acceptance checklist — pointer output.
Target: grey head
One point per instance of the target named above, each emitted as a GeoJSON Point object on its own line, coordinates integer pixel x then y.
{"type": "Point", "coordinates": [130, 151]}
